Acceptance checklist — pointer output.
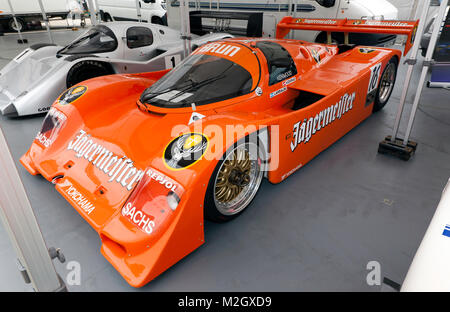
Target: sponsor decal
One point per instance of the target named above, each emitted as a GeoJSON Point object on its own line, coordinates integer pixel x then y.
{"type": "Point", "coordinates": [315, 54]}
{"type": "Point", "coordinates": [162, 179]}
{"type": "Point", "coordinates": [380, 23]}
{"type": "Point", "coordinates": [195, 116]}
{"type": "Point", "coordinates": [119, 169]}
{"type": "Point", "coordinates": [79, 199]}
{"type": "Point", "coordinates": [366, 50]}
{"type": "Point", "coordinates": [139, 218]}
{"type": "Point", "coordinates": [43, 109]}
{"type": "Point", "coordinates": [286, 175]}
{"type": "Point", "coordinates": [375, 72]}
{"type": "Point", "coordinates": [279, 91]}
{"type": "Point", "coordinates": [359, 22]}
{"type": "Point", "coordinates": [284, 75]}
{"type": "Point", "coordinates": [289, 81]}
{"type": "Point", "coordinates": [220, 48]}
{"type": "Point", "coordinates": [446, 230]}
{"type": "Point", "coordinates": [316, 21]}
{"type": "Point", "coordinates": [258, 91]}
{"type": "Point", "coordinates": [71, 95]}
{"type": "Point", "coordinates": [185, 150]}
{"type": "Point", "coordinates": [304, 130]}
{"type": "Point", "coordinates": [50, 127]}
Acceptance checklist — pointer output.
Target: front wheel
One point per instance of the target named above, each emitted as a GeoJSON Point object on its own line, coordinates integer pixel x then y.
{"type": "Point", "coordinates": [235, 181]}
{"type": "Point", "coordinates": [86, 70]}
{"type": "Point", "coordinates": [386, 85]}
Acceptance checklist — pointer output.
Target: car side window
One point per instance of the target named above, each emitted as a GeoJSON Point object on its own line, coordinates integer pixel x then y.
{"type": "Point", "coordinates": [139, 37]}
{"type": "Point", "coordinates": [280, 64]}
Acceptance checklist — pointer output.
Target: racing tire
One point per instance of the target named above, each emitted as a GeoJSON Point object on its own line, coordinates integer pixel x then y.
{"type": "Point", "coordinates": [235, 181]}
{"type": "Point", "coordinates": [20, 24]}
{"type": "Point", "coordinates": [386, 84]}
{"type": "Point", "coordinates": [86, 70]}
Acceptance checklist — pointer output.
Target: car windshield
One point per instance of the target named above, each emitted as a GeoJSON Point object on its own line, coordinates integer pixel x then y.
{"type": "Point", "coordinates": [98, 39]}
{"type": "Point", "coordinates": [201, 79]}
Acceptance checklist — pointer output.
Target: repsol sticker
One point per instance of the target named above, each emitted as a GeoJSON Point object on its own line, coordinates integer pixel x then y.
{"type": "Point", "coordinates": [185, 150]}
{"type": "Point", "coordinates": [71, 95]}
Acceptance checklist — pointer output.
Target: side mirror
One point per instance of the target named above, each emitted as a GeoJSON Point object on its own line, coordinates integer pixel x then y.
{"type": "Point", "coordinates": [326, 3]}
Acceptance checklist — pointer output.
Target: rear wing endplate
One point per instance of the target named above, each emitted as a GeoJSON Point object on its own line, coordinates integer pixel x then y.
{"type": "Point", "coordinates": [394, 27]}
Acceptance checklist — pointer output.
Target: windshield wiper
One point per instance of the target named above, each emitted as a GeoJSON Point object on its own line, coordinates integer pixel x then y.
{"type": "Point", "coordinates": [196, 85]}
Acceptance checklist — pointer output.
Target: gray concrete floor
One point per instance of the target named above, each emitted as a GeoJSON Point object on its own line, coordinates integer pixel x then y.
{"type": "Point", "coordinates": [316, 231]}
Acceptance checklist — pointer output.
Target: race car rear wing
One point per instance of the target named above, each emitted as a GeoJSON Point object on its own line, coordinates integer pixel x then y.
{"type": "Point", "coordinates": [328, 25]}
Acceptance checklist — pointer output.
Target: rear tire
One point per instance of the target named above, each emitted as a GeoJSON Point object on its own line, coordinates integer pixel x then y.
{"type": "Point", "coordinates": [86, 70]}
{"type": "Point", "coordinates": [235, 181]}
{"type": "Point", "coordinates": [20, 24]}
{"type": "Point", "coordinates": [386, 84]}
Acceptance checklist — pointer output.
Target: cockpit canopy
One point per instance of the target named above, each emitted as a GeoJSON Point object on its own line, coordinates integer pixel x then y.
{"type": "Point", "coordinates": [98, 39]}
{"type": "Point", "coordinates": [214, 72]}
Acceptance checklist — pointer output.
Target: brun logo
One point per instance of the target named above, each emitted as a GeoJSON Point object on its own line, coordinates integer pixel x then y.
{"type": "Point", "coordinates": [72, 94]}
{"type": "Point", "coordinates": [185, 150]}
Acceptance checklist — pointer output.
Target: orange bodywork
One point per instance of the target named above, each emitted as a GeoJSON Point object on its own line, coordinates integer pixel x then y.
{"type": "Point", "coordinates": [124, 199]}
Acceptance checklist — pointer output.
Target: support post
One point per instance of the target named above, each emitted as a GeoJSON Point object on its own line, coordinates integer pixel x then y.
{"type": "Point", "coordinates": [427, 62]}
{"type": "Point", "coordinates": [393, 145]}
{"type": "Point", "coordinates": [92, 12]}
{"type": "Point", "coordinates": [20, 223]}
{"type": "Point", "coordinates": [20, 40]}
{"type": "Point", "coordinates": [185, 27]}
{"type": "Point", "coordinates": [45, 18]}
{"type": "Point", "coordinates": [138, 11]}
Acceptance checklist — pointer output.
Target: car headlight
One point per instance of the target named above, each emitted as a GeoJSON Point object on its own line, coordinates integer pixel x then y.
{"type": "Point", "coordinates": [53, 123]}
{"type": "Point", "coordinates": [153, 201]}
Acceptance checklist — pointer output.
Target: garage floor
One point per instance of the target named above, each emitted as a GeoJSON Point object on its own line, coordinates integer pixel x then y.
{"type": "Point", "coordinates": [316, 231]}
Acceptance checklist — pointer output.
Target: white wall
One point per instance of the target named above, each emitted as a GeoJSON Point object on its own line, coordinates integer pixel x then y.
{"type": "Point", "coordinates": [405, 6]}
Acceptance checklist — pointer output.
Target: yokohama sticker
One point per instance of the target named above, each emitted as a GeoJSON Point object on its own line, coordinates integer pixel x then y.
{"type": "Point", "coordinates": [79, 199]}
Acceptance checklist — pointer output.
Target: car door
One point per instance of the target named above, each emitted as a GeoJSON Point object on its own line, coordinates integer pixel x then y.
{"type": "Point", "coordinates": [139, 43]}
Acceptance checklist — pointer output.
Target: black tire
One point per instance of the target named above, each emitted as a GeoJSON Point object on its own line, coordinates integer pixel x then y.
{"type": "Point", "coordinates": [86, 70]}
{"type": "Point", "coordinates": [211, 211]}
{"type": "Point", "coordinates": [21, 24]}
{"type": "Point", "coordinates": [157, 20]}
{"type": "Point", "coordinates": [380, 101]}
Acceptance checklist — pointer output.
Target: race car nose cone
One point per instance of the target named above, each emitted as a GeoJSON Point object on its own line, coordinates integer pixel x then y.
{"type": "Point", "coordinates": [9, 110]}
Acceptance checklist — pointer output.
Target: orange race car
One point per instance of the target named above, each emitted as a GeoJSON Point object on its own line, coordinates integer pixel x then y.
{"type": "Point", "coordinates": [145, 157]}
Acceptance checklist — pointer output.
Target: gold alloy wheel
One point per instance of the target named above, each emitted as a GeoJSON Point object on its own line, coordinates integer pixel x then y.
{"type": "Point", "coordinates": [238, 179]}
{"type": "Point", "coordinates": [233, 176]}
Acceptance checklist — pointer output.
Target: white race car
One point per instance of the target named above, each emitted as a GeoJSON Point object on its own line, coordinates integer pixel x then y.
{"type": "Point", "coordinates": [33, 79]}
{"type": "Point", "coordinates": [430, 269]}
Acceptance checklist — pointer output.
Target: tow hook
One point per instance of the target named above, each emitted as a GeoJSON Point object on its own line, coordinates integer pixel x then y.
{"type": "Point", "coordinates": [56, 178]}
